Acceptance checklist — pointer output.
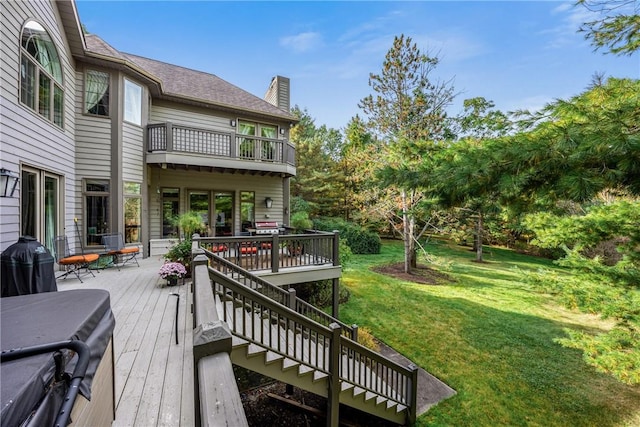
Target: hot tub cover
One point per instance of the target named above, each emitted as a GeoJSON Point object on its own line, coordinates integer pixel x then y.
{"type": "Point", "coordinates": [27, 320]}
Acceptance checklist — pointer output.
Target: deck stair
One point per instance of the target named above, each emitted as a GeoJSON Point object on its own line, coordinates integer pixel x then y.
{"type": "Point", "coordinates": [280, 336]}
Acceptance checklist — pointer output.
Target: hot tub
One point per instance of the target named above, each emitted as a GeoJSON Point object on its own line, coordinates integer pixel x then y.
{"type": "Point", "coordinates": [30, 392]}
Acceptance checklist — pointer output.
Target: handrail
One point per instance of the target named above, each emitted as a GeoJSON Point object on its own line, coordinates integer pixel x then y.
{"type": "Point", "coordinates": [272, 252]}
{"type": "Point", "coordinates": [212, 361]}
{"type": "Point", "coordinates": [276, 293]}
{"type": "Point", "coordinates": [280, 329]}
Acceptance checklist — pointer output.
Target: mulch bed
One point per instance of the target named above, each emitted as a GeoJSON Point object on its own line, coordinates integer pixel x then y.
{"type": "Point", "coordinates": [421, 274]}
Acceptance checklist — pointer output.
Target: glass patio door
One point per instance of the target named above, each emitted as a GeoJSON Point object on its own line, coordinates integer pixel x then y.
{"type": "Point", "coordinates": [199, 203]}
{"type": "Point", "coordinates": [224, 214]}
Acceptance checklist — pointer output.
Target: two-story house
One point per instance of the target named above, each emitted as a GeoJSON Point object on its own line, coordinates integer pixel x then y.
{"type": "Point", "coordinates": [104, 141]}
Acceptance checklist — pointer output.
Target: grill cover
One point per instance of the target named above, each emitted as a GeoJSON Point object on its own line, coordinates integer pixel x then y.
{"type": "Point", "coordinates": [26, 267]}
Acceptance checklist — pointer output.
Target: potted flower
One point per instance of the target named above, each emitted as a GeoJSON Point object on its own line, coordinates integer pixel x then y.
{"type": "Point", "coordinates": [171, 272]}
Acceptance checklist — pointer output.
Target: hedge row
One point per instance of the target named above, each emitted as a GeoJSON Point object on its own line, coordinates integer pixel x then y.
{"type": "Point", "coordinates": [359, 240]}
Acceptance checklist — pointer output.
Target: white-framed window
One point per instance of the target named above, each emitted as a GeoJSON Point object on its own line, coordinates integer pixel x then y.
{"type": "Point", "coordinates": [41, 74]}
{"type": "Point", "coordinates": [132, 211]}
{"type": "Point", "coordinates": [96, 93]}
{"type": "Point", "coordinates": [40, 205]}
{"type": "Point", "coordinates": [132, 102]}
{"type": "Point", "coordinates": [261, 148]}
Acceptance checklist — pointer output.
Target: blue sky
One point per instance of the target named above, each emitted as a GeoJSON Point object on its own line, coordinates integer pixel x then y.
{"type": "Point", "coordinates": [518, 54]}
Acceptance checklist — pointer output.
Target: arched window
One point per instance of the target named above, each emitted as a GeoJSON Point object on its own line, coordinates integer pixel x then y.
{"type": "Point", "coordinates": [41, 74]}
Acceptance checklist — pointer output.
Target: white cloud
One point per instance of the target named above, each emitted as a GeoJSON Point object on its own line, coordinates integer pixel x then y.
{"type": "Point", "coordinates": [303, 42]}
{"type": "Point", "coordinates": [571, 18]}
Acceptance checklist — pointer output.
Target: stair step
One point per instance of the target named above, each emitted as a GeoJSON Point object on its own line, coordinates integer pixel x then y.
{"type": "Point", "coordinates": [391, 404]}
{"type": "Point", "coordinates": [289, 363]}
{"type": "Point", "coordinates": [304, 370]}
{"type": "Point", "coordinates": [345, 386]}
{"type": "Point", "coordinates": [368, 396]}
{"type": "Point", "coordinates": [319, 375]}
{"type": "Point", "coordinates": [380, 400]}
{"type": "Point", "coordinates": [254, 350]}
{"type": "Point", "coordinates": [238, 342]}
{"type": "Point", "coordinates": [271, 357]}
{"type": "Point", "coordinates": [357, 391]}
{"type": "Point", "coordinates": [400, 408]}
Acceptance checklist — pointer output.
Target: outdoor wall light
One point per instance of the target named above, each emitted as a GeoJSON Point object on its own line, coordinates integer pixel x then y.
{"type": "Point", "coordinates": [268, 202]}
{"type": "Point", "coordinates": [8, 182]}
{"type": "Point", "coordinates": [282, 131]}
{"type": "Point", "coordinates": [232, 122]}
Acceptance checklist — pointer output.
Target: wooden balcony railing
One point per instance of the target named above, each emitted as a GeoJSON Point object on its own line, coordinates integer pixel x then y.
{"type": "Point", "coordinates": [275, 252]}
{"type": "Point", "coordinates": [169, 137]}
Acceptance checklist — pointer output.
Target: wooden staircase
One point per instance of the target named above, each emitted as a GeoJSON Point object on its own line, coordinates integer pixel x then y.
{"type": "Point", "coordinates": [282, 337]}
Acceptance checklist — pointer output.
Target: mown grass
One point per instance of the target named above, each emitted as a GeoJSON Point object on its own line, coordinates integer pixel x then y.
{"type": "Point", "coordinates": [491, 338]}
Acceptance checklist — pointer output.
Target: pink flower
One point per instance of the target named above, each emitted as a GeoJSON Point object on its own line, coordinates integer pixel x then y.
{"type": "Point", "coordinates": [172, 270]}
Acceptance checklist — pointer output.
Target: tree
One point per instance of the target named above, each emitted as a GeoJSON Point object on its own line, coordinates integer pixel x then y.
{"type": "Point", "coordinates": [601, 248]}
{"type": "Point", "coordinates": [581, 146]}
{"type": "Point", "coordinates": [408, 108]}
{"type": "Point", "coordinates": [619, 31]}
{"type": "Point", "coordinates": [467, 173]}
{"type": "Point", "coordinates": [318, 180]}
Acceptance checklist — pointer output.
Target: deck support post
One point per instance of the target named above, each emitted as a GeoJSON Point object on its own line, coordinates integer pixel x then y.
{"type": "Point", "coordinates": [333, 397]}
{"type": "Point", "coordinates": [275, 253]}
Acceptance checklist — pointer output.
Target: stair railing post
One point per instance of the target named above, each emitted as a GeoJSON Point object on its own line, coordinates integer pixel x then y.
{"type": "Point", "coordinates": [413, 398]}
{"type": "Point", "coordinates": [333, 398]}
{"type": "Point", "coordinates": [292, 306]}
{"type": "Point", "coordinates": [354, 332]}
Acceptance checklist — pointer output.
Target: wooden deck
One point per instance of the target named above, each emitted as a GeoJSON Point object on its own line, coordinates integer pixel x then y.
{"type": "Point", "coordinates": [154, 379]}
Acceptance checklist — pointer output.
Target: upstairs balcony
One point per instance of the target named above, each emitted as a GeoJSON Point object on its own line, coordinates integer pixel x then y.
{"type": "Point", "coordinates": [177, 146]}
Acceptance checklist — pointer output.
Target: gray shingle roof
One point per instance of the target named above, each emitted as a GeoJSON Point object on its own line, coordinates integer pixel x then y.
{"type": "Point", "coordinates": [191, 84]}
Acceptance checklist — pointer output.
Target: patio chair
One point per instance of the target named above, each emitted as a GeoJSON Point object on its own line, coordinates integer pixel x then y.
{"type": "Point", "coordinates": [72, 263]}
{"type": "Point", "coordinates": [114, 245]}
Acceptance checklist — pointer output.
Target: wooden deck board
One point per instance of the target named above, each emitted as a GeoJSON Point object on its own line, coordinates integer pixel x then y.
{"type": "Point", "coordinates": [153, 376]}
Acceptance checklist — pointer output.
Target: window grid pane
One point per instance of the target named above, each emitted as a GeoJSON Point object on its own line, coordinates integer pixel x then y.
{"type": "Point", "coordinates": [44, 96]}
{"type": "Point", "coordinates": [58, 106]}
{"type": "Point", "coordinates": [28, 83]}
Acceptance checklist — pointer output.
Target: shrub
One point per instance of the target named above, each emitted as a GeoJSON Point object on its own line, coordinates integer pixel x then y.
{"type": "Point", "coordinates": [300, 221]}
{"type": "Point", "coordinates": [359, 240]}
{"type": "Point", "coordinates": [366, 339]}
{"type": "Point", "coordinates": [319, 294]}
{"type": "Point", "coordinates": [181, 252]}
{"type": "Point", "coordinates": [190, 223]}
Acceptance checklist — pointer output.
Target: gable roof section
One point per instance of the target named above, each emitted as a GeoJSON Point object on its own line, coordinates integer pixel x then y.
{"type": "Point", "coordinates": [187, 85]}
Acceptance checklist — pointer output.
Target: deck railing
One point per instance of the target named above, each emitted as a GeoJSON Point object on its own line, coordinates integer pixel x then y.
{"type": "Point", "coordinates": [170, 137]}
{"type": "Point", "coordinates": [278, 294]}
{"type": "Point", "coordinates": [273, 252]}
{"type": "Point", "coordinates": [282, 330]}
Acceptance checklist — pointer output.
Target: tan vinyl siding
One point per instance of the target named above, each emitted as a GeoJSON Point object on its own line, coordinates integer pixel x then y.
{"type": "Point", "coordinates": [193, 117]}
{"type": "Point", "coordinates": [235, 183]}
{"type": "Point", "coordinates": [132, 152]}
{"type": "Point", "coordinates": [25, 136]}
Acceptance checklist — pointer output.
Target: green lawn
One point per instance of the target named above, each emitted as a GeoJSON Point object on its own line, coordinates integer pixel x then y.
{"type": "Point", "coordinates": [491, 338]}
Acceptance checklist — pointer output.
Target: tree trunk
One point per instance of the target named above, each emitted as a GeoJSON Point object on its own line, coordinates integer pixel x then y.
{"type": "Point", "coordinates": [479, 238]}
{"type": "Point", "coordinates": [407, 236]}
